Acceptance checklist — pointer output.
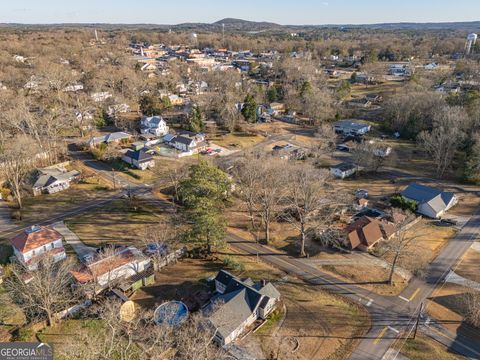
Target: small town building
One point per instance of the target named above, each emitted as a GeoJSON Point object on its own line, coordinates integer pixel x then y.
{"type": "Point", "coordinates": [53, 179]}
{"type": "Point", "coordinates": [237, 304]}
{"type": "Point", "coordinates": [139, 159]}
{"type": "Point", "coordinates": [431, 202]}
{"type": "Point", "coordinates": [37, 243]}
{"type": "Point", "coordinates": [343, 170]}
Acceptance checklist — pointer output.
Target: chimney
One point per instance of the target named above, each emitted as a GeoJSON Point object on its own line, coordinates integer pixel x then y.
{"type": "Point", "coordinates": [264, 282]}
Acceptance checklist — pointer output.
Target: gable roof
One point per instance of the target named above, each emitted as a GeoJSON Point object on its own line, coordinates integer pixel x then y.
{"type": "Point", "coordinates": [34, 237]}
{"type": "Point", "coordinates": [88, 272]}
{"type": "Point", "coordinates": [47, 177]}
{"type": "Point", "coordinates": [421, 193]}
{"type": "Point", "coordinates": [182, 140]}
{"type": "Point", "coordinates": [368, 231]}
{"type": "Point", "coordinates": [139, 155]}
{"type": "Point", "coordinates": [343, 166]}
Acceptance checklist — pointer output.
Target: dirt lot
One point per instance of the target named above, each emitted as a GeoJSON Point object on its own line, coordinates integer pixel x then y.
{"type": "Point", "coordinates": [424, 348]}
{"type": "Point", "coordinates": [321, 323]}
{"type": "Point", "coordinates": [114, 223]}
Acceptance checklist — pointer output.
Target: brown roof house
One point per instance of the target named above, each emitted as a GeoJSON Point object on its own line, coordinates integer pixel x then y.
{"type": "Point", "coordinates": [365, 232]}
{"type": "Point", "coordinates": [37, 243]}
{"type": "Point", "coordinates": [117, 268]}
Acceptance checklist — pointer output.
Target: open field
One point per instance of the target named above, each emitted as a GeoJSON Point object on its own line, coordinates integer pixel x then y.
{"type": "Point", "coordinates": [424, 348]}
{"type": "Point", "coordinates": [237, 140]}
{"type": "Point", "coordinates": [115, 223]}
{"type": "Point", "coordinates": [323, 324]}
{"type": "Point", "coordinates": [49, 206]}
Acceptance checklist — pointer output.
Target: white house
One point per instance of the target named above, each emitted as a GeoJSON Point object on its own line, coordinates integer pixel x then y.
{"type": "Point", "coordinates": [139, 159]}
{"type": "Point", "coordinates": [351, 127]}
{"type": "Point", "coordinates": [37, 243]}
{"type": "Point", "coordinates": [53, 179]}
{"type": "Point", "coordinates": [73, 88]}
{"type": "Point", "coordinates": [188, 142]}
{"type": "Point", "coordinates": [103, 271]}
{"type": "Point", "coordinates": [100, 96]}
{"type": "Point", "coordinates": [154, 125]}
{"type": "Point", "coordinates": [343, 170]}
{"type": "Point", "coordinates": [431, 202]}
{"type": "Point", "coordinates": [240, 303]}
{"type": "Point", "coordinates": [115, 137]}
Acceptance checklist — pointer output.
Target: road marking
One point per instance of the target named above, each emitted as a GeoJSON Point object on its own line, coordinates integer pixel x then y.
{"type": "Point", "coordinates": [394, 330]}
{"type": "Point", "coordinates": [403, 298]}
{"type": "Point", "coordinates": [369, 302]}
{"type": "Point", "coordinates": [375, 342]}
{"type": "Point", "coordinates": [414, 294]}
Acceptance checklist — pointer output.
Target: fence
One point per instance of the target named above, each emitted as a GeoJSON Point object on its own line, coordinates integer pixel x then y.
{"type": "Point", "coordinates": [170, 258]}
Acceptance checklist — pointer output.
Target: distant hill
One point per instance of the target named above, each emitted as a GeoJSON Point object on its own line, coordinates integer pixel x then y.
{"type": "Point", "coordinates": [240, 25]}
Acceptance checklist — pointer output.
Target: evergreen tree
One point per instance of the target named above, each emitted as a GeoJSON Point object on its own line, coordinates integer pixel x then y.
{"type": "Point", "coordinates": [203, 194]}
{"type": "Point", "coordinates": [249, 110]}
{"type": "Point", "coordinates": [472, 166]}
{"type": "Point", "coordinates": [194, 120]}
{"type": "Point", "coordinates": [272, 94]}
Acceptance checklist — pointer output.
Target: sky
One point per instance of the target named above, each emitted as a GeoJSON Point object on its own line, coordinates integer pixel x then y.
{"type": "Point", "coordinates": [288, 12]}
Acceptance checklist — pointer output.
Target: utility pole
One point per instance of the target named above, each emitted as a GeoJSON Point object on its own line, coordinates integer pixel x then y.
{"type": "Point", "coordinates": [418, 320]}
{"type": "Point", "coordinates": [114, 179]}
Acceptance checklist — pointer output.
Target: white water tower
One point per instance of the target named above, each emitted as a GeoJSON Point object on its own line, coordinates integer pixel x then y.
{"type": "Point", "coordinates": [471, 41]}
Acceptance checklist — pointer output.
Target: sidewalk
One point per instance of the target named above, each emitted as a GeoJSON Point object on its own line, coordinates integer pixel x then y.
{"type": "Point", "coordinates": [72, 239]}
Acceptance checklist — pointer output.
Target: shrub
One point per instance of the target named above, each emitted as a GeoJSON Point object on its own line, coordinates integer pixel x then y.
{"type": "Point", "coordinates": [399, 201]}
{"type": "Point", "coordinates": [233, 264]}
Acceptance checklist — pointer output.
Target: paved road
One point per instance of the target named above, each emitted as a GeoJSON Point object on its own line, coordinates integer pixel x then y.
{"type": "Point", "coordinates": [390, 316]}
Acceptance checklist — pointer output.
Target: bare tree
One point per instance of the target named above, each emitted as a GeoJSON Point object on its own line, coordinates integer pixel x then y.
{"type": "Point", "coordinates": [472, 305]}
{"type": "Point", "coordinates": [307, 199]}
{"type": "Point", "coordinates": [164, 238]}
{"type": "Point", "coordinates": [47, 291]}
{"type": "Point", "coordinates": [443, 140]}
{"type": "Point", "coordinates": [271, 191]}
{"type": "Point", "coordinates": [16, 163]}
{"type": "Point", "coordinates": [400, 246]}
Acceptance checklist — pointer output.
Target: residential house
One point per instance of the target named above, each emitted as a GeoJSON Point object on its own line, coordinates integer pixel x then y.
{"type": "Point", "coordinates": [289, 152]}
{"type": "Point", "coordinates": [343, 170]}
{"type": "Point", "coordinates": [53, 179]}
{"type": "Point", "coordinates": [188, 142]}
{"type": "Point", "coordinates": [276, 109]}
{"type": "Point", "coordinates": [118, 109]}
{"type": "Point", "coordinates": [115, 137]}
{"type": "Point", "coordinates": [154, 125]}
{"type": "Point", "coordinates": [360, 103]}
{"type": "Point", "coordinates": [37, 243]}
{"type": "Point", "coordinates": [73, 88]}
{"type": "Point", "coordinates": [175, 100]}
{"type": "Point", "coordinates": [100, 96]}
{"type": "Point", "coordinates": [431, 66]}
{"type": "Point", "coordinates": [238, 304]}
{"type": "Point", "coordinates": [139, 159]}
{"type": "Point", "coordinates": [431, 202]}
{"type": "Point", "coordinates": [365, 232]}
{"type": "Point", "coordinates": [351, 127]}
{"type": "Point", "coordinates": [122, 268]}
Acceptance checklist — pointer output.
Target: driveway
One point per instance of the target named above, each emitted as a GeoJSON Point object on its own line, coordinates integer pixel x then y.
{"type": "Point", "coordinates": [72, 239]}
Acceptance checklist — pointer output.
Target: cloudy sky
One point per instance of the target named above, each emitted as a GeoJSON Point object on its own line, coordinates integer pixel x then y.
{"type": "Point", "coordinates": [279, 11]}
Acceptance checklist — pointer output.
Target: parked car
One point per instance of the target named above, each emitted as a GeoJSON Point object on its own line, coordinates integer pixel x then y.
{"type": "Point", "coordinates": [450, 222]}
{"type": "Point", "coordinates": [361, 194]}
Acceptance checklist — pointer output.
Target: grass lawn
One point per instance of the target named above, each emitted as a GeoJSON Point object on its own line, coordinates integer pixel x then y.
{"type": "Point", "coordinates": [188, 276]}
{"type": "Point", "coordinates": [241, 140]}
{"type": "Point", "coordinates": [373, 278]}
{"type": "Point", "coordinates": [69, 329]}
{"type": "Point", "coordinates": [48, 206]}
{"type": "Point", "coordinates": [10, 313]}
{"type": "Point", "coordinates": [424, 348]}
{"type": "Point", "coordinates": [470, 265]}
{"type": "Point", "coordinates": [114, 223]}
{"type": "Point", "coordinates": [324, 325]}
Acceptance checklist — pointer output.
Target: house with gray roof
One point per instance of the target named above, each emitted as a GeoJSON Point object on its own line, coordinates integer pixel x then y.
{"type": "Point", "coordinates": [343, 170]}
{"type": "Point", "coordinates": [53, 179]}
{"type": "Point", "coordinates": [238, 303]}
{"type": "Point", "coordinates": [431, 202]}
{"type": "Point", "coordinates": [139, 159]}
{"type": "Point", "coordinates": [351, 127]}
{"type": "Point", "coordinates": [154, 125]}
{"type": "Point", "coordinates": [115, 137]}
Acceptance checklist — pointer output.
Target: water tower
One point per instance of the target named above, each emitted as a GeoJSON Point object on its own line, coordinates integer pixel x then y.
{"type": "Point", "coordinates": [471, 40]}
